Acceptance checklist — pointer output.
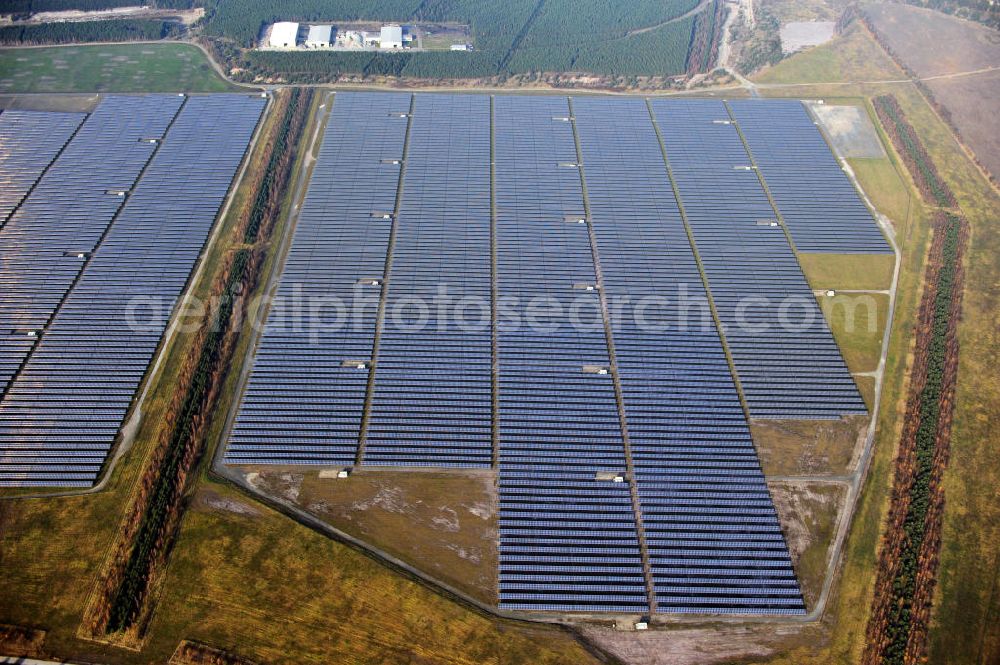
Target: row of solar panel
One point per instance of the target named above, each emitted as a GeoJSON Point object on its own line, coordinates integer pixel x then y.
{"type": "Point", "coordinates": [29, 141]}
{"type": "Point", "coordinates": [442, 236]}
{"type": "Point", "coordinates": [568, 542]}
{"type": "Point", "coordinates": [96, 327]}
{"type": "Point", "coordinates": [630, 193]}
{"type": "Point", "coordinates": [793, 369]}
{"type": "Point", "coordinates": [816, 198]}
{"type": "Point", "coordinates": [46, 242]}
{"type": "Point", "coordinates": [302, 372]}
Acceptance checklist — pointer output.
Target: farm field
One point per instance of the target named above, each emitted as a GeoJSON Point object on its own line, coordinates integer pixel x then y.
{"type": "Point", "coordinates": [109, 68]}
{"type": "Point", "coordinates": [932, 44]}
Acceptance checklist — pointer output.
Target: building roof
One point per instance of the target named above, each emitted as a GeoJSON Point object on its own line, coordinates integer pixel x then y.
{"type": "Point", "coordinates": [320, 33]}
{"type": "Point", "coordinates": [392, 33]}
{"type": "Point", "coordinates": [284, 33]}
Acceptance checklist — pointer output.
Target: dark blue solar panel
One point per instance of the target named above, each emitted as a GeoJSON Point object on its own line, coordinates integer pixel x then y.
{"type": "Point", "coordinates": [788, 363]}
{"type": "Point", "coordinates": [303, 404]}
{"type": "Point", "coordinates": [432, 394]}
{"type": "Point", "coordinates": [62, 413]}
{"type": "Point", "coordinates": [29, 141]}
{"type": "Point", "coordinates": [45, 243]}
{"type": "Point", "coordinates": [696, 468]}
{"type": "Point", "coordinates": [14, 349]}
{"type": "Point", "coordinates": [568, 541]}
{"type": "Point", "coordinates": [816, 198]}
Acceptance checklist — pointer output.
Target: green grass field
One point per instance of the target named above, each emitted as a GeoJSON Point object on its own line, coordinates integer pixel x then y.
{"type": "Point", "coordinates": [109, 68]}
{"type": "Point", "coordinates": [857, 321]}
{"type": "Point", "coordinates": [848, 271]}
{"type": "Point", "coordinates": [851, 58]}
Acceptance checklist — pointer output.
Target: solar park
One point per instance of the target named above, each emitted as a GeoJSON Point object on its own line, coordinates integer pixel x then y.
{"type": "Point", "coordinates": [627, 477]}
{"type": "Point", "coordinates": [103, 217]}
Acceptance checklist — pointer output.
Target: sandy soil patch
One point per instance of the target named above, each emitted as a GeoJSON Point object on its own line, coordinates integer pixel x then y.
{"type": "Point", "coordinates": [798, 35]}
{"type": "Point", "coordinates": [213, 500]}
{"type": "Point", "coordinates": [850, 130]}
{"type": "Point", "coordinates": [442, 521]}
{"type": "Point", "coordinates": [808, 447]}
{"type": "Point", "coordinates": [809, 513]}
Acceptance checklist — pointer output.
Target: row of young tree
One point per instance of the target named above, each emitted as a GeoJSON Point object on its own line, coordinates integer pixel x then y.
{"type": "Point", "coordinates": [897, 629]}
{"type": "Point", "coordinates": [912, 150]}
{"type": "Point", "coordinates": [659, 52]}
{"type": "Point", "coordinates": [161, 510]}
{"type": "Point", "coordinates": [121, 30]}
{"type": "Point", "coordinates": [902, 604]}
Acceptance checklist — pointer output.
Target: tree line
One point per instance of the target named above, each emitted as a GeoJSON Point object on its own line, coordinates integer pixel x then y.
{"type": "Point", "coordinates": [119, 30]}
{"type": "Point", "coordinates": [22, 7]}
{"type": "Point", "coordinates": [912, 150]}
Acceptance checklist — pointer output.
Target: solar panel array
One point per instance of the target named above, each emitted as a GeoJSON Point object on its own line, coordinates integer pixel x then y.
{"type": "Point", "coordinates": [712, 534]}
{"type": "Point", "coordinates": [568, 539]}
{"type": "Point", "coordinates": [45, 243]}
{"type": "Point", "coordinates": [787, 361]}
{"type": "Point", "coordinates": [536, 394]}
{"type": "Point", "coordinates": [29, 141]}
{"type": "Point", "coordinates": [432, 399]}
{"type": "Point", "coordinates": [304, 400]}
{"type": "Point", "coordinates": [815, 197]}
{"type": "Point", "coordinates": [108, 299]}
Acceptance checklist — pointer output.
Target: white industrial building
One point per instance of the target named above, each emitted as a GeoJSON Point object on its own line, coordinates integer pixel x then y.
{"type": "Point", "coordinates": [319, 36]}
{"type": "Point", "coordinates": [284, 35]}
{"type": "Point", "coordinates": [391, 37]}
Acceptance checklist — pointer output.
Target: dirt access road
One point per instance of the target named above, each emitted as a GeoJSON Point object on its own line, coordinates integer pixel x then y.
{"type": "Point", "coordinates": [186, 16]}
